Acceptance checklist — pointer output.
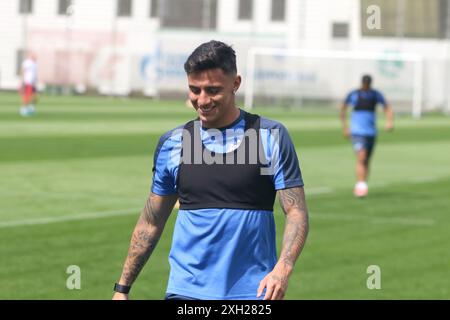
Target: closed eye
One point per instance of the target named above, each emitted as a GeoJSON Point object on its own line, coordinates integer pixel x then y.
{"type": "Point", "coordinates": [194, 90]}
{"type": "Point", "coordinates": [213, 90]}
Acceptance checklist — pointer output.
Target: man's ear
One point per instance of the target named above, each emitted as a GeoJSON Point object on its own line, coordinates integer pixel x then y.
{"type": "Point", "coordinates": [237, 83]}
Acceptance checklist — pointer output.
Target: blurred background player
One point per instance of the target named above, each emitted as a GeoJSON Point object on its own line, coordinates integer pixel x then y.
{"type": "Point", "coordinates": [28, 85]}
{"type": "Point", "coordinates": [363, 130]}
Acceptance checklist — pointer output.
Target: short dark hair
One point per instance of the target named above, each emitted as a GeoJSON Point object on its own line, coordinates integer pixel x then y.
{"type": "Point", "coordinates": [367, 79]}
{"type": "Point", "coordinates": [212, 55]}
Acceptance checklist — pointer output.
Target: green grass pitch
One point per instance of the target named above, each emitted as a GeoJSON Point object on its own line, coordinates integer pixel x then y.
{"type": "Point", "coordinates": [74, 177]}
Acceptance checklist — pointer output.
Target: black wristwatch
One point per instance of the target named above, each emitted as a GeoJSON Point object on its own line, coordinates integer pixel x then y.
{"type": "Point", "coordinates": [122, 289]}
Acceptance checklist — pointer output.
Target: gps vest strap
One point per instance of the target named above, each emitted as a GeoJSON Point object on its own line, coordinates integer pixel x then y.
{"type": "Point", "coordinates": [366, 104]}
{"type": "Point", "coordinates": [235, 185]}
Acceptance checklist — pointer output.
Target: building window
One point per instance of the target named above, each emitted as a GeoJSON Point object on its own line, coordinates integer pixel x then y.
{"type": "Point", "coordinates": [124, 8]}
{"type": "Point", "coordinates": [63, 6]}
{"type": "Point", "coordinates": [278, 10]}
{"type": "Point", "coordinates": [245, 10]}
{"type": "Point", "coordinates": [26, 6]}
{"type": "Point", "coordinates": [409, 19]}
{"type": "Point", "coordinates": [195, 14]}
{"type": "Point", "coordinates": [340, 30]}
{"type": "Point", "coordinates": [154, 8]}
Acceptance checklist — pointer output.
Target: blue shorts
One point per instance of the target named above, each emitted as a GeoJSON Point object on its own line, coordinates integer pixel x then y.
{"type": "Point", "coordinates": [363, 142]}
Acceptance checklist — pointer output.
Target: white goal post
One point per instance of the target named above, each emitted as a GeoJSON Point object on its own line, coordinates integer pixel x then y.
{"type": "Point", "coordinates": [327, 75]}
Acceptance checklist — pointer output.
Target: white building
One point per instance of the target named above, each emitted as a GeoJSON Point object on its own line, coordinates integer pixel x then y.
{"type": "Point", "coordinates": [119, 46]}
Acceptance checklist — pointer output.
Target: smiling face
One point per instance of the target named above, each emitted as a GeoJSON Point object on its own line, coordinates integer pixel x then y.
{"type": "Point", "coordinates": [212, 93]}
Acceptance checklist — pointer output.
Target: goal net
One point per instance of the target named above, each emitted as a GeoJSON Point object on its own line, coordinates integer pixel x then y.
{"type": "Point", "coordinates": [322, 79]}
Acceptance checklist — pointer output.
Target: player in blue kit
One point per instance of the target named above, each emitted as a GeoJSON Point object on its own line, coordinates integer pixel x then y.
{"type": "Point", "coordinates": [225, 168]}
{"type": "Point", "coordinates": [363, 129]}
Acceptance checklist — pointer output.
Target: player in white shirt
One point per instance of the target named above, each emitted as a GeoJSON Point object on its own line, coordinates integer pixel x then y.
{"type": "Point", "coordinates": [28, 88]}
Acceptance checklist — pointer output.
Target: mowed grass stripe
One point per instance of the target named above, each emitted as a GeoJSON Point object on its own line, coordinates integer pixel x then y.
{"type": "Point", "coordinates": [68, 146]}
{"type": "Point", "coordinates": [11, 101]}
{"type": "Point", "coordinates": [337, 216]}
{"type": "Point", "coordinates": [72, 147]}
{"type": "Point", "coordinates": [107, 114]}
{"type": "Point", "coordinates": [64, 218]}
{"type": "Point", "coordinates": [68, 128]}
{"type": "Point", "coordinates": [149, 124]}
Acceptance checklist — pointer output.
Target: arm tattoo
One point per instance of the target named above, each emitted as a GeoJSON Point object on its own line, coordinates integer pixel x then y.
{"type": "Point", "coordinates": [296, 228]}
{"type": "Point", "coordinates": [149, 213]}
{"type": "Point", "coordinates": [292, 198]}
{"type": "Point", "coordinates": [141, 247]}
{"type": "Point", "coordinates": [145, 236]}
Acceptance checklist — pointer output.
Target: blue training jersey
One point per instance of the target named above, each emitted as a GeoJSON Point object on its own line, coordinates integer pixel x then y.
{"type": "Point", "coordinates": [224, 253]}
{"type": "Point", "coordinates": [363, 122]}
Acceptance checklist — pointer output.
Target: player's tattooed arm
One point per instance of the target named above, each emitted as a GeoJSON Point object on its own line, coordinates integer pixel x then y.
{"type": "Point", "coordinates": [296, 228]}
{"type": "Point", "coordinates": [295, 232]}
{"type": "Point", "coordinates": [146, 234]}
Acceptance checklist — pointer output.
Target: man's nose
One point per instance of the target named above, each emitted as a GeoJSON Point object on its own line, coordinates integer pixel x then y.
{"type": "Point", "coordinates": [203, 99]}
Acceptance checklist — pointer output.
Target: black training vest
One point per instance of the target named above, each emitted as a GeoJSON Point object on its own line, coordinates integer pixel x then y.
{"type": "Point", "coordinates": [366, 104]}
{"type": "Point", "coordinates": [224, 185]}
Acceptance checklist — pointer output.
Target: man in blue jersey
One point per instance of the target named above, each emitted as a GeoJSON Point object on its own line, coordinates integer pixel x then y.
{"type": "Point", "coordinates": [363, 129]}
{"type": "Point", "coordinates": [225, 168]}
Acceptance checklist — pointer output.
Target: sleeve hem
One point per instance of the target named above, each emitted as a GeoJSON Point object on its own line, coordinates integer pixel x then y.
{"type": "Point", "coordinates": [289, 184]}
{"type": "Point", "coordinates": [161, 192]}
